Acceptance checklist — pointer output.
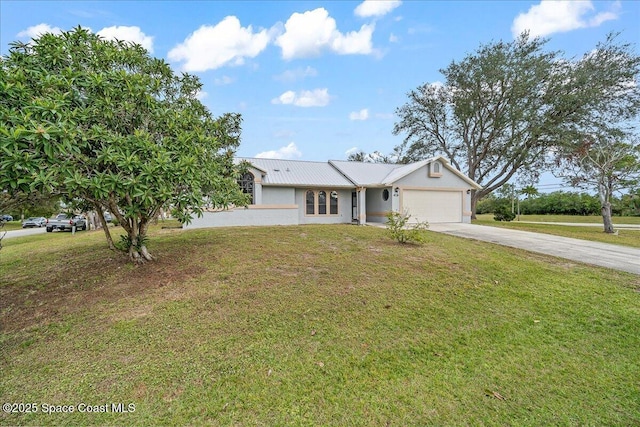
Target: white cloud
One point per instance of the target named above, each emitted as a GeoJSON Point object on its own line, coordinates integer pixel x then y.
{"type": "Point", "coordinates": [38, 30]}
{"type": "Point", "coordinates": [201, 95]}
{"type": "Point", "coordinates": [284, 134]}
{"type": "Point", "coordinates": [224, 80]}
{"type": "Point", "coordinates": [308, 34]}
{"type": "Point", "coordinates": [393, 38]}
{"type": "Point", "coordinates": [130, 34]}
{"type": "Point", "coordinates": [351, 151]}
{"type": "Point", "coordinates": [359, 115]}
{"type": "Point", "coordinates": [226, 43]}
{"type": "Point", "coordinates": [370, 8]}
{"type": "Point", "coordinates": [288, 152]}
{"type": "Point", "coordinates": [290, 76]}
{"type": "Point", "coordinates": [305, 98]}
{"type": "Point", "coordinates": [354, 42]}
{"type": "Point", "coordinates": [557, 16]}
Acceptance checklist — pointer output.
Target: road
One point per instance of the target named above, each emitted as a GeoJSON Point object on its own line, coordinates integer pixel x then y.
{"type": "Point", "coordinates": [24, 232]}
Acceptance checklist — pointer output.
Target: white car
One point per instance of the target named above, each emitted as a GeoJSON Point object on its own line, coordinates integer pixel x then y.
{"type": "Point", "coordinates": [34, 221]}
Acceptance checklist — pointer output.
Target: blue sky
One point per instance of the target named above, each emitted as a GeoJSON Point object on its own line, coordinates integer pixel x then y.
{"type": "Point", "coordinates": [315, 80]}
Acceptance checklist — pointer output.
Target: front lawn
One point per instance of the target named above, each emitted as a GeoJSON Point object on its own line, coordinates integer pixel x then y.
{"type": "Point", "coordinates": [314, 325]}
{"type": "Point", "coordinates": [626, 237]}
{"type": "Point", "coordinates": [11, 225]}
{"type": "Point", "coordinates": [587, 219]}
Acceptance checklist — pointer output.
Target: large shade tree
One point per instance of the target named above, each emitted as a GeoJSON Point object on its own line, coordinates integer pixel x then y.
{"type": "Point", "coordinates": [104, 123]}
{"type": "Point", "coordinates": [504, 110]}
{"type": "Point", "coordinates": [605, 157]}
{"type": "Point", "coordinates": [605, 164]}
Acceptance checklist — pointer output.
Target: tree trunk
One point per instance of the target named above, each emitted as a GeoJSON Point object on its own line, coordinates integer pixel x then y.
{"type": "Point", "coordinates": [606, 218]}
{"type": "Point", "coordinates": [138, 251]}
{"type": "Point", "coordinates": [105, 227]}
{"type": "Point", "coordinates": [604, 192]}
{"type": "Point", "coordinates": [474, 203]}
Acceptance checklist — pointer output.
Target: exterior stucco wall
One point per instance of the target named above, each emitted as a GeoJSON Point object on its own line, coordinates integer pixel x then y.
{"type": "Point", "coordinates": [421, 178]}
{"type": "Point", "coordinates": [447, 181]}
{"type": "Point", "coordinates": [278, 195]}
{"type": "Point", "coordinates": [466, 208]}
{"type": "Point", "coordinates": [247, 217]}
{"type": "Point", "coordinates": [377, 207]}
{"type": "Point", "coordinates": [344, 208]}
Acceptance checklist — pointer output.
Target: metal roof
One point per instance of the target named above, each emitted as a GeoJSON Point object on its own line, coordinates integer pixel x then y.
{"type": "Point", "coordinates": [339, 173]}
{"type": "Point", "coordinates": [365, 174]}
{"type": "Point", "coordinates": [299, 173]}
{"type": "Point", "coordinates": [384, 175]}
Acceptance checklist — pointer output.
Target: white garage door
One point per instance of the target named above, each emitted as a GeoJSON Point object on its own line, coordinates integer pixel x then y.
{"type": "Point", "coordinates": [433, 206]}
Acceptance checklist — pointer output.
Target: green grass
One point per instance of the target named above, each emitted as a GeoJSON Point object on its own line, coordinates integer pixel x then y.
{"type": "Point", "coordinates": [591, 219]}
{"type": "Point", "coordinates": [12, 225]}
{"type": "Point", "coordinates": [315, 325]}
{"type": "Point", "coordinates": [626, 237]}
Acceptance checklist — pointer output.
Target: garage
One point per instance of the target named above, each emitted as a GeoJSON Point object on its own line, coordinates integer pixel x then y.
{"type": "Point", "coordinates": [433, 206]}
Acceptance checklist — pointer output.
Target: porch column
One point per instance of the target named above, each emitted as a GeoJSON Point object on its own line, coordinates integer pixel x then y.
{"type": "Point", "coordinates": [362, 206]}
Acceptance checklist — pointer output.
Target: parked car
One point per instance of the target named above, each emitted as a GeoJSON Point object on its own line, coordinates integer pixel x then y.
{"type": "Point", "coordinates": [34, 221]}
{"type": "Point", "coordinates": [107, 217]}
{"type": "Point", "coordinates": [64, 222]}
{"type": "Point", "coordinates": [6, 218]}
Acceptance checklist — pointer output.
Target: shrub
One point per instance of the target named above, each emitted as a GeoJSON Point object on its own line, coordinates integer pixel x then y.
{"type": "Point", "coordinates": [403, 233]}
{"type": "Point", "coordinates": [503, 213]}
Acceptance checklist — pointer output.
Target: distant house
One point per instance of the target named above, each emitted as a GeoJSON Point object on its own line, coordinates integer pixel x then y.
{"type": "Point", "coordinates": [287, 192]}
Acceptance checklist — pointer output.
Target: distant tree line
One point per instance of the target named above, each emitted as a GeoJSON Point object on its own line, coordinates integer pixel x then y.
{"type": "Point", "coordinates": [561, 203]}
{"type": "Point", "coordinates": [27, 204]}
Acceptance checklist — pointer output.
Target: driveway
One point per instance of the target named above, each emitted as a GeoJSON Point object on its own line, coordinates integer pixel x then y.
{"type": "Point", "coordinates": [617, 257]}
{"type": "Point", "coordinates": [23, 232]}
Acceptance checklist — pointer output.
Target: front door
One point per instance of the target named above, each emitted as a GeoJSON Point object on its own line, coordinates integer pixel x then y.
{"type": "Point", "coordinates": [354, 206]}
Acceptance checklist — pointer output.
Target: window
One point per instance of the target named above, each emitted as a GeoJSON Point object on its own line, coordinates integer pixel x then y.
{"type": "Point", "coordinates": [316, 202]}
{"type": "Point", "coordinates": [435, 170]}
{"type": "Point", "coordinates": [311, 203]}
{"type": "Point", "coordinates": [322, 202]}
{"type": "Point", "coordinates": [247, 185]}
{"type": "Point", "coordinates": [385, 194]}
{"type": "Point", "coordinates": [333, 208]}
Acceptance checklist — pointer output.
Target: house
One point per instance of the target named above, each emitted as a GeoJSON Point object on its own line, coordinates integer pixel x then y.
{"type": "Point", "coordinates": [287, 192]}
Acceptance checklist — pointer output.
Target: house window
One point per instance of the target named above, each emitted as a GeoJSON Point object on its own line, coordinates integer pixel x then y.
{"type": "Point", "coordinates": [435, 170]}
{"type": "Point", "coordinates": [333, 207]}
{"type": "Point", "coordinates": [247, 184]}
{"type": "Point", "coordinates": [385, 194]}
{"type": "Point", "coordinates": [311, 203]}
{"type": "Point", "coordinates": [321, 202]}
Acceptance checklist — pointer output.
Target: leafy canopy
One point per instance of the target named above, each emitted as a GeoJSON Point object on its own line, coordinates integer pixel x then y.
{"type": "Point", "coordinates": [506, 108]}
{"type": "Point", "coordinates": [103, 122]}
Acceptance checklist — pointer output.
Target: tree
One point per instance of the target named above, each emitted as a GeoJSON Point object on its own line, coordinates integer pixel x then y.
{"type": "Point", "coordinates": [506, 107]}
{"type": "Point", "coordinates": [605, 164]}
{"type": "Point", "coordinates": [103, 123]}
{"type": "Point", "coordinates": [529, 191]}
{"type": "Point", "coordinates": [28, 204]}
{"type": "Point", "coordinates": [375, 157]}
{"type": "Point", "coordinates": [600, 158]}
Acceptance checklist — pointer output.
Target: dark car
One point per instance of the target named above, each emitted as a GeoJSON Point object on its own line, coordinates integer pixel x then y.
{"type": "Point", "coordinates": [6, 218]}
{"type": "Point", "coordinates": [34, 221]}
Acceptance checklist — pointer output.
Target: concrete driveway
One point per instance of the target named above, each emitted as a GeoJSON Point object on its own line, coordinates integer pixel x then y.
{"type": "Point", "coordinates": [23, 232]}
{"type": "Point", "coordinates": [617, 257]}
